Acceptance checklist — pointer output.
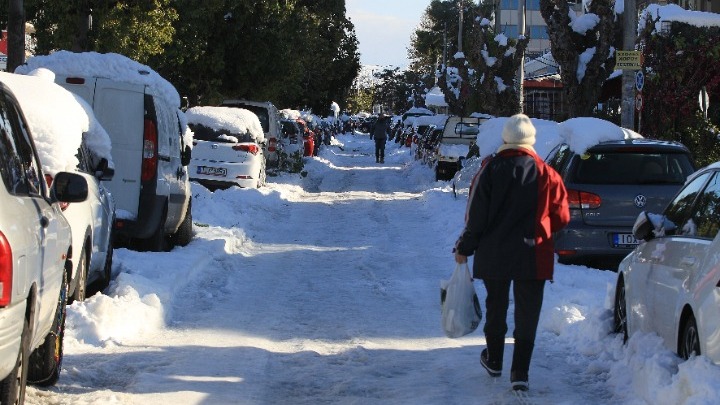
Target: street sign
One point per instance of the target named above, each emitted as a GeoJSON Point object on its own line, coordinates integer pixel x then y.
{"type": "Point", "coordinates": [639, 80]}
{"type": "Point", "coordinates": [638, 102]}
{"type": "Point", "coordinates": [628, 60]}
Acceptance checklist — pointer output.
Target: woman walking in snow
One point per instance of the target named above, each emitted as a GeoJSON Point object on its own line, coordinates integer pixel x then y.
{"type": "Point", "coordinates": [516, 202]}
{"type": "Point", "coordinates": [380, 134]}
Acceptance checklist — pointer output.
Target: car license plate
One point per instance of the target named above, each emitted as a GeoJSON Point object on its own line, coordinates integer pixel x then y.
{"type": "Point", "coordinates": [212, 171]}
{"type": "Point", "coordinates": [624, 240]}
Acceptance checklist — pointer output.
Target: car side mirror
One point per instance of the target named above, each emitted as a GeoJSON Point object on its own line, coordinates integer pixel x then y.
{"type": "Point", "coordinates": [649, 226]}
{"type": "Point", "coordinates": [643, 227]}
{"type": "Point", "coordinates": [185, 156]}
{"type": "Point", "coordinates": [68, 187]}
{"type": "Point", "coordinates": [103, 171]}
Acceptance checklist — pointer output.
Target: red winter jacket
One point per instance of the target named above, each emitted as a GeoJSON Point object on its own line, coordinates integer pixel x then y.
{"type": "Point", "coordinates": [516, 202]}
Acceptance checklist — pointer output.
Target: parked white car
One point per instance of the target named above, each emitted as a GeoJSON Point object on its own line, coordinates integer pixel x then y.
{"type": "Point", "coordinates": [35, 258]}
{"type": "Point", "coordinates": [140, 111]}
{"type": "Point", "coordinates": [670, 283]}
{"type": "Point", "coordinates": [69, 138]}
{"type": "Point", "coordinates": [227, 147]}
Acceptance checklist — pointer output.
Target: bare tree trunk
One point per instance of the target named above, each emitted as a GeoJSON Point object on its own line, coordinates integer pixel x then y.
{"type": "Point", "coordinates": [16, 34]}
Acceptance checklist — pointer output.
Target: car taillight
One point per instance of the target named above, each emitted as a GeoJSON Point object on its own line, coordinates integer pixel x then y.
{"type": "Point", "coordinates": [6, 271]}
{"type": "Point", "coordinates": [272, 144]}
{"type": "Point", "coordinates": [583, 200]}
{"type": "Point", "coordinates": [49, 181]}
{"type": "Point", "coordinates": [149, 153]}
{"type": "Point", "coordinates": [246, 148]}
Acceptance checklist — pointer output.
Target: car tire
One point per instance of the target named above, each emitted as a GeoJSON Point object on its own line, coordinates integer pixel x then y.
{"type": "Point", "coordinates": [104, 282]}
{"type": "Point", "coordinates": [45, 362]}
{"type": "Point", "coordinates": [12, 388]}
{"type": "Point", "coordinates": [184, 234]}
{"type": "Point", "coordinates": [82, 271]}
{"type": "Point", "coordinates": [689, 340]}
{"type": "Point", "coordinates": [620, 310]}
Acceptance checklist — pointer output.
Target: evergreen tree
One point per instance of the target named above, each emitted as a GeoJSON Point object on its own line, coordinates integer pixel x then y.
{"type": "Point", "coordinates": [584, 47]}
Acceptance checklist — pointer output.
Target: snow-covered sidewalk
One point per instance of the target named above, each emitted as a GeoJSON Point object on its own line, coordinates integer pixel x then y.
{"type": "Point", "coordinates": [325, 289]}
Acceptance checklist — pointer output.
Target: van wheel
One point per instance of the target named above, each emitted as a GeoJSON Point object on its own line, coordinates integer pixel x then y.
{"type": "Point", "coordinates": [158, 242]}
{"type": "Point", "coordinates": [45, 361]}
{"type": "Point", "coordinates": [183, 236]}
{"type": "Point", "coordinates": [81, 277]}
{"type": "Point", "coordinates": [12, 388]}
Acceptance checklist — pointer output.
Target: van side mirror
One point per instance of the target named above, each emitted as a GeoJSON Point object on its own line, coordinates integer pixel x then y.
{"type": "Point", "coordinates": [103, 171]}
{"type": "Point", "coordinates": [185, 156]}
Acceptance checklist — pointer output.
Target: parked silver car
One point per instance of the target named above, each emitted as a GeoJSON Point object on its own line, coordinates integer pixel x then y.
{"type": "Point", "coordinates": [35, 258]}
{"type": "Point", "coordinates": [669, 284]}
{"type": "Point", "coordinates": [608, 186]}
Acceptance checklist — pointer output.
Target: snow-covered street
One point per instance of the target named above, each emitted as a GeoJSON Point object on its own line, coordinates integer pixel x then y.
{"type": "Point", "coordinates": [324, 289]}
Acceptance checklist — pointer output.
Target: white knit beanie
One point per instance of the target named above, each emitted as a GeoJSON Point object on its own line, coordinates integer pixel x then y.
{"type": "Point", "coordinates": [519, 130]}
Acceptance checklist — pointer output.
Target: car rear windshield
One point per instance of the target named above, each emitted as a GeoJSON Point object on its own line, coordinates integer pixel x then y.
{"type": "Point", "coordinates": [633, 168]}
{"type": "Point", "coordinates": [203, 133]}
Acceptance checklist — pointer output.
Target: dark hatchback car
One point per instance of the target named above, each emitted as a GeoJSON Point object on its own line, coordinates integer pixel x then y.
{"type": "Point", "coordinates": [608, 186]}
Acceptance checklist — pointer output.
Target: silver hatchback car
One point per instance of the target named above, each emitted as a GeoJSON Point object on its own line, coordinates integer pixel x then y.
{"type": "Point", "coordinates": [608, 186]}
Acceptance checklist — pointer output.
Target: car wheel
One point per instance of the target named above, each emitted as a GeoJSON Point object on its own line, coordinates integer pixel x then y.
{"type": "Point", "coordinates": [183, 236]}
{"type": "Point", "coordinates": [12, 388]}
{"type": "Point", "coordinates": [690, 340]}
{"type": "Point", "coordinates": [104, 282]}
{"type": "Point", "coordinates": [620, 311]}
{"type": "Point", "coordinates": [45, 361]}
{"type": "Point", "coordinates": [81, 276]}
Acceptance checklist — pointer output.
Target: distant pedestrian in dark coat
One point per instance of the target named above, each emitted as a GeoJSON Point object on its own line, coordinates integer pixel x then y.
{"type": "Point", "coordinates": [516, 202]}
{"type": "Point", "coordinates": [380, 133]}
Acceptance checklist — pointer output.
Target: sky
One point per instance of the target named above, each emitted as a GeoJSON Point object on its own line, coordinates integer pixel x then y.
{"type": "Point", "coordinates": [384, 27]}
{"type": "Point", "coordinates": [324, 288]}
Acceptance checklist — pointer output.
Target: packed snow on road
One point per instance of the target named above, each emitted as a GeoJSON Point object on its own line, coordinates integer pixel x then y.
{"type": "Point", "coordinates": [326, 289]}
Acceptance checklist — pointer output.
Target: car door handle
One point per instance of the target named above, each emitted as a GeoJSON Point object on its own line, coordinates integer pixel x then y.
{"type": "Point", "coordinates": [44, 221]}
{"type": "Point", "coordinates": [687, 261]}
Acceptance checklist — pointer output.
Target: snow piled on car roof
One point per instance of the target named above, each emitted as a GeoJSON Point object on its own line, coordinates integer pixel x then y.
{"type": "Point", "coordinates": [234, 120]}
{"type": "Point", "coordinates": [57, 119]}
{"type": "Point", "coordinates": [578, 133]}
{"type": "Point", "coordinates": [108, 65]}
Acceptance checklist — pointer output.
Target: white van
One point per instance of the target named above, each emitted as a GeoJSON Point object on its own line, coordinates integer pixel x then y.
{"type": "Point", "coordinates": [140, 111]}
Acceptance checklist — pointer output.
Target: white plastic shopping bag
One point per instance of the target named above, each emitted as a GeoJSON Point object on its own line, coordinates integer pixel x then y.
{"type": "Point", "coordinates": [461, 312]}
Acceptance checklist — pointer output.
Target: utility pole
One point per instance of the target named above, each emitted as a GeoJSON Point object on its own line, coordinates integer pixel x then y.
{"type": "Point", "coordinates": [521, 68]}
{"type": "Point", "coordinates": [627, 105]}
{"type": "Point", "coordinates": [460, 30]}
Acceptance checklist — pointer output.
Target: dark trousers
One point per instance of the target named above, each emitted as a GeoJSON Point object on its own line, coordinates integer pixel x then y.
{"type": "Point", "coordinates": [379, 149]}
{"type": "Point", "coordinates": [528, 295]}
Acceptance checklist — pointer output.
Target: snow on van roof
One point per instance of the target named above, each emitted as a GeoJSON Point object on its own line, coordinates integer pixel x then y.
{"type": "Point", "coordinates": [57, 119]}
{"type": "Point", "coordinates": [234, 120]}
{"type": "Point", "coordinates": [108, 65]}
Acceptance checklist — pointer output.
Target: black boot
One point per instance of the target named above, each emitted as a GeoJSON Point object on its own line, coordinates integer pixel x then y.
{"type": "Point", "coordinates": [522, 353]}
{"type": "Point", "coordinates": [493, 367]}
